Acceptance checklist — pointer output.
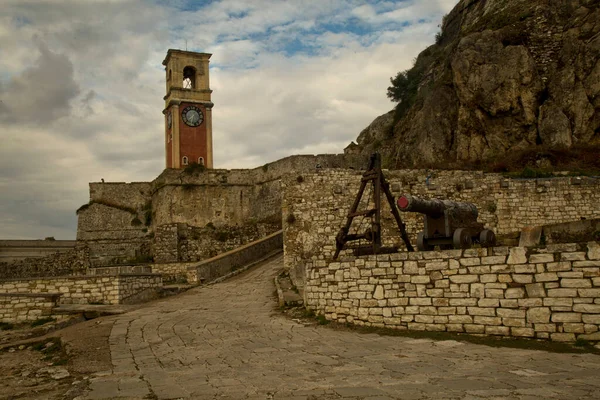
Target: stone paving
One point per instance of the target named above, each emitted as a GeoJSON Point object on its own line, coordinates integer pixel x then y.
{"type": "Point", "coordinates": [227, 341]}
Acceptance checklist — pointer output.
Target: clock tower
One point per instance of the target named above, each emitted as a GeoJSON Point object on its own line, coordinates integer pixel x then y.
{"type": "Point", "coordinates": [188, 109]}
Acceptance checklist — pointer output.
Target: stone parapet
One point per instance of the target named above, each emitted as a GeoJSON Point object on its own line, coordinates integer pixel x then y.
{"type": "Point", "coordinates": [23, 307]}
{"type": "Point", "coordinates": [231, 261]}
{"type": "Point", "coordinates": [101, 289]}
{"type": "Point", "coordinates": [551, 293]}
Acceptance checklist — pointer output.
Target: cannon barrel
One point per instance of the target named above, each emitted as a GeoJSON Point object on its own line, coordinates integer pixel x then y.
{"type": "Point", "coordinates": [436, 207]}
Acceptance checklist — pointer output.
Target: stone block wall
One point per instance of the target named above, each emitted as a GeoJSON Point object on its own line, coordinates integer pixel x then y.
{"type": "Point", "coordinates": [116, 289]}
{"type": "Point", "coordinates": [16, 308]}
{"type": "Point", "coordinates": [315, 205]}
{"type": "Point", "coordinates": [551, 293]}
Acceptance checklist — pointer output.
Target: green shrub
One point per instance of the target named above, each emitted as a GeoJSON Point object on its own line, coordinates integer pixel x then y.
{"type": "Point", "coordinates": [291, 218]}
{"type": "Point", "coordinates": [222, 236]}
{"type": "Point", "coordinates": [194, 168]}
{"type": "Point", "coordinates": [136, 222]}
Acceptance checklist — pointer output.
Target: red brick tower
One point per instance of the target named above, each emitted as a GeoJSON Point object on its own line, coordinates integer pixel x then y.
{"type": "Point", "coordinates": [188, 109]}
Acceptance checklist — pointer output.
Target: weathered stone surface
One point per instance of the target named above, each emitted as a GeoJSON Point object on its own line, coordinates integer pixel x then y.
{"type": "Point", "coordinates": [575, 283]}
{"type": "Point", "coordinates": [587, 308]}
{"type": "Point", "coordinates": [517, 255]}
{"type": "Point", "coordinates": [535, 290]}
{"type": "Point", "coordinates": [593, 251]}
{"type": "Point", "coordinates": [379, 293]}
{"type": "Point", "coordinates": [538, 315]}
{"type": "Point", "coordinates": [516, 76]}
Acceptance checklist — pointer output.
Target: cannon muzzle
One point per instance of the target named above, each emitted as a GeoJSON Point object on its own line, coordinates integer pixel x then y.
{"type": "Point", "coordinates": [436, 208]}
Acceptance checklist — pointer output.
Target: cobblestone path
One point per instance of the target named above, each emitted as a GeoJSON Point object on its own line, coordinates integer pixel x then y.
{"type": "Point", "coordinates": [227, 341]}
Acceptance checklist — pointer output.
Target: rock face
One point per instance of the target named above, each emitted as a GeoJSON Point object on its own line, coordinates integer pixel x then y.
{"type": "Point", "coordinates": [504, 75]}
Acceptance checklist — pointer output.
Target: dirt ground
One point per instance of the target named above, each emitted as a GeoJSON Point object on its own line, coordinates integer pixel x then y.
{"type": "Point", "coordinates": [55, 365]}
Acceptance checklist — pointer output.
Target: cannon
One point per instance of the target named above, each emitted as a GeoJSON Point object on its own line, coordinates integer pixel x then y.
{"type": "Point", "coordinates": [448, 224]}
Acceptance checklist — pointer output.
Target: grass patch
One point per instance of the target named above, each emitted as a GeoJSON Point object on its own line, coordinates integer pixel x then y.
{"type": "Point", "coordinates": [580, 346]}
{"type": "Point", "coordinates": [61, 361]}
{"type": "Point", "coordinates": [492, 341]}
{"type": "Point", "coordinates": [42, 321]}
{"type": "Point", "coordinates": [52, 351]}
{"type": "Point", "coordinates": [194, 168]}
{"type": "Point", "coordinates": [5, 326]}
{"type": "Point", "coordinates": [222, 236]}
{"type": "Point", "coordinates": [582, 343]}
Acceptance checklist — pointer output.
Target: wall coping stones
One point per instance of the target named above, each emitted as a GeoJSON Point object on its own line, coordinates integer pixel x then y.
{"type": "Point", "coordinates": [77, 277]}
{"type": "Point", "coordinates": [44, 295]}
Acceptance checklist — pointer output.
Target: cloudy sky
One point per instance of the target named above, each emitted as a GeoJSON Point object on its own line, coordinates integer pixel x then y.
{"type": "Point", "coordinates": [81, 87]}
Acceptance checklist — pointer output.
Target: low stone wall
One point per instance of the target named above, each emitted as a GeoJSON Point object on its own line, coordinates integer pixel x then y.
{"type": "Point", "coordinates": [181, 243]}
{"type": "Point", "coordinates": [551, 293]}
{"type": "Point", "coordinates": [226, 263]}
{"type": "Point", "coordinates": [116, 289]}
{"type": "Point", "coordinates": [121, 269]}
{"type": "Point", "coordinates": [15, 307]}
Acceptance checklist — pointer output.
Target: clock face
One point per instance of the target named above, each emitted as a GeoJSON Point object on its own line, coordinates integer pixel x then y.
{"type": "Point", "coordinates": [169, 120]}
{"type": "Point", "coordinates": [192, 116]}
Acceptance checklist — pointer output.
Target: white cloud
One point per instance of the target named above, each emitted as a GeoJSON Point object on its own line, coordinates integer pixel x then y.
{"type": "Point", "coordinates": [288, 78]}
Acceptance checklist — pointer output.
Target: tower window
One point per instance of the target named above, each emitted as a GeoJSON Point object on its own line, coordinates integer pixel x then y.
{"type": "Point", "coordinates": [184, 160]}
{"type": "Point", "coordinates": [189, 78]}
{"type": "Point", "coordinates": [169, 76]}
{"type": "Point", "coordinates": [201, 160]}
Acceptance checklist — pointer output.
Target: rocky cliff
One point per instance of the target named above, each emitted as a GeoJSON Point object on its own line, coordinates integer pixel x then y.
{"type": "Point", "coordinates": [503, 76]}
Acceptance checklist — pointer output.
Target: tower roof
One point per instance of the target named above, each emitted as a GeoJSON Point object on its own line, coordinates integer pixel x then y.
{"type": "Point", "coordinates": [185, 53]}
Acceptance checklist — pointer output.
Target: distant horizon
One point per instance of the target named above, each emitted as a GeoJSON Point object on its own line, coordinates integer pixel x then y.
{"type": "Point", "coordinates": [81, 100]}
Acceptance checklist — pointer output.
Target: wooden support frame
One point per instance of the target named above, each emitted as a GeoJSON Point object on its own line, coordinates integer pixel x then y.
{"type": "Point", "coordinates": [373, 176]}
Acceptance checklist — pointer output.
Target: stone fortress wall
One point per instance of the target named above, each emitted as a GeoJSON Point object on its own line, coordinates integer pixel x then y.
{"type": "Point", "coordinates": [74, 261]}
{"type": "Point", "coordinates": [315, 205]}
{"type": "Point", "coordinates": [17, 250]}
{"type": "Point", "coordinates": [551, 294]}
{"type": "Point", "coordinates": [188, 216]}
